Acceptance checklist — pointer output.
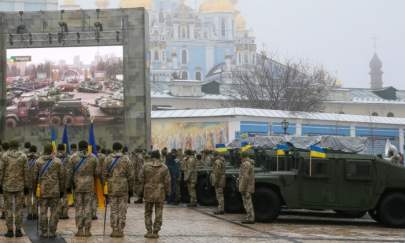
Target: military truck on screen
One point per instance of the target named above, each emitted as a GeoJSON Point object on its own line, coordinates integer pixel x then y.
{"type": "Point", "coordinates": [350, 184]}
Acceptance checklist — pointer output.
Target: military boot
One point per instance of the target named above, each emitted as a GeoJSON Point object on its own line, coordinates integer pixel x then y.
{"type": "Point", "coordinates": [9, 234]}
{"type": "Point", "coordinates": [149, 235]}
{"type": "Point", "coordinates": [79, 233]}
{"type": "Point", "coordinates": [192, 205]}
{"type": "Point", "coordinates": [219, 212]}
{"type": "Point", "coordinates": [155, 234]}
{"type": "Point", "coordinates": [18, 233]}
{"type": "Point", "coordinates": [87, 232]}
{"type": "Point", "coordinates": [115, 234]}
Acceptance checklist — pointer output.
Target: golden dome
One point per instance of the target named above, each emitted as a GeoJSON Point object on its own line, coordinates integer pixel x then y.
{"type": "Point", "coordinates": [240, 22]}
{"type": "Point", "coordinates": [147, 4]}
{"type": "Point", "coordinates": [217, 6]}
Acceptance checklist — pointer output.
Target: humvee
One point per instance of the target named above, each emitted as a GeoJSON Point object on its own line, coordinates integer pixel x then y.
{"type": "Point", "coordinates": [349, 184]}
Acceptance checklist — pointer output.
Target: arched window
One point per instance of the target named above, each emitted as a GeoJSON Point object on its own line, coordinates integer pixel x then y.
{"type": "Point", "coordinates": [390, 114]}
{"type": "Point", "coordinates": [198, 75]}
{"type": "Point", "coordinates": [184, 75]}
{"type": "Point", "coordinates": [184, 57]}
{"type": "Point", "coordinates": [374, 114]}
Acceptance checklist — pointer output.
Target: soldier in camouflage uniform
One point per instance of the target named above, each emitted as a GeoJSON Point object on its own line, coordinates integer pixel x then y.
{"type": "Point", "coordinates": [180, 178]}
{"type": "Point", "coordinates": [14, 180]}
{"type": "Point", "coordinates": [50, 181]}
{"type": "Point", "coordinates": [81, 173]}
{"type": "Point", "coordinates": [30, 199]}
{"type": "Point", "coordinates": [94, 203]}
{"type": "Point", "coordinates": [138, 162]}
{"type": "Point", "coordinates": [155, 179]}
{"type": "Point", "coordinates": [247, 186]}
{"type": "Point", "coordinates": [218, 181]}
{"type": "Point", "coordinates": [64, 158]}
{"type": "Point", "coordinates": [73, 149]}
{"type": "Point", "coordinates": [4, 148]}
{"type": "Point", "coordinates": [190, 177]}
{"type": "Point", "coordinates": [119, 177]}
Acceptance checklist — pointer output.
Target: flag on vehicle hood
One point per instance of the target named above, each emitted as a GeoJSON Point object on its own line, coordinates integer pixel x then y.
{"type": "Point", "coordinates": [221, 148]}
{"type": "Point", "coordinates": [317, 152]}
{"type": "Point", "coordinates": [281, 149]}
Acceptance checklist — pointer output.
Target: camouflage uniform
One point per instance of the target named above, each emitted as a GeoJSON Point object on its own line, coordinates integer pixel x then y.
{"type": "Point", "coordinates": [14, 179]}
{"type": "Point", "coordinates": [31, 199]}
{"type": "Point", "coordinates": [120, 181]}
{"type": "Point", "coordinates": [138, 162]}
{"type": "Point", "coordinates": [247, 186]}
{"type": "Point", "coordinates": [52, 186]}
{"type": "Point", "coordinates": [180, 178]}
{"type": "Point", "coordinates": [64, 207]}
{"type": "Point", "coordinates": [82, 180]}
{"type": "Point", "coordinates": [155, 178]}
{"type": "Point", "coordinates": [190, 177]}
{"type": "Point", "coordinates": [1, 194]}
{"type": "Point", "coordinates": [218, 181]}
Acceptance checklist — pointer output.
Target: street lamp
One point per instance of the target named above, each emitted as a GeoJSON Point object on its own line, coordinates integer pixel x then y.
{"type": "Point", "coordinates": [285, 124]}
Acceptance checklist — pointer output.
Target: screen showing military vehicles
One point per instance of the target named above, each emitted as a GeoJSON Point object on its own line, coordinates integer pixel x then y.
{"type": "Point", "coordinates": [57, 86]}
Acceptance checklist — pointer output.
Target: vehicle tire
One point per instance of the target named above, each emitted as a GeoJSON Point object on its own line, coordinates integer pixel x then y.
{"type": "Point", "coordinates": [68, 120]}
{"type": "Point", "coordinates": [11, 123]}
{"type": "Point", "coordinates": [350, 214]}
{"type": "Point", "coordinates": [392, 210]}
{"type": "Point", "coordinates": [374, 215]}
{"type": "Point", "coordinates": [205, 192]}
{"type": "Point", "coordinates": [267, 204]}
{"type": "Point", "coordinates": [233, 199]}
{"type": "Point", "coordinates": [56, 121]}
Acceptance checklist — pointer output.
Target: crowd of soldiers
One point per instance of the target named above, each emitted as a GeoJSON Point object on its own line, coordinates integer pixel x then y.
{"type": "Point", "coordinates": [42, 181]}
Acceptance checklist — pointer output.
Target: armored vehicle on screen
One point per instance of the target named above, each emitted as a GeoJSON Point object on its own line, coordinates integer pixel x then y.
{"type": "Point", "coordinates": [350, 184]}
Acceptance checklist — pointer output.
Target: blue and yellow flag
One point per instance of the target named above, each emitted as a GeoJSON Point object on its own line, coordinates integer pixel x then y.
{"type": "Point", "coordinates": [221, 148]}
{"type": "Point", "coordinates": [65, 139]}
{"type": "Point", "coordinates": [54, 136]}
{"type": "Point", "coordinates": [317, 152]}
{"type": "Point", "coordinates": [245, 146]}
{"type": "Point", "coordinates": [281, 149]}
{"type": "Point", "coordinates": [92, 141]}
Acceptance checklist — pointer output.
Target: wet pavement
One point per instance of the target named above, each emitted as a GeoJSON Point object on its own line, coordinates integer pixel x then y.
{"type": "Point", "coordinates": [182, 224]}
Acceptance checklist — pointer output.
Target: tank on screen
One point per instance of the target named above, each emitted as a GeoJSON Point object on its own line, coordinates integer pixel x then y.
{"type": "Point", "coordinates": [61, 70]}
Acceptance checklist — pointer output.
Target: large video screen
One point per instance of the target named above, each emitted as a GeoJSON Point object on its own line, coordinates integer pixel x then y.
{"type": "Point", "coordinates": [70, 85]}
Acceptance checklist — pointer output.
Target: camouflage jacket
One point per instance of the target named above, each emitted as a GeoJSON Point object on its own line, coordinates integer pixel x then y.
{"type": "Point", "coordinates": [64, 158]}
{"type": "Point", "coordinates": [100, 165]}
{"type": "Point", "coordinates": [52, 180]}
{"type": "Point", "coordinates": [190, 172]}
{"type": "Point", "coordinates": [155, 178]}
{"type": "Point", "coordinates": [82, 178]}
{"type": "Point", "coordinates": [14, 174]}
{"type": "Point", "coordinates": [247, 176]}
{"type": "Point", "coordinates": [120, 178]}
{"type": "Point", "coordinates": [218, 178]}
{"type": "Point", "coordinates": [31, 161]}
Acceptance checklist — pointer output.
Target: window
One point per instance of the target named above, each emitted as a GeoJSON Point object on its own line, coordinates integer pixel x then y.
{"type": "Point", "coordinates": [156, 56]}
{"type": "Point", "coordinates": [184, 75]}
{"type": "Point", "coordinates": [198, 76]}
{"type": "Point", "coordinates": [184, 57]}
{"type": "Point", "coordinates": [318, 167]}
{"type": "Point", "coordinates": [374, 114]}
{"type": "Point", "coordinates": [390, 114]}
{"type": "Point", "coordinates": [223, 27]}
{"type": "Point", "coordinates": [358, 170]}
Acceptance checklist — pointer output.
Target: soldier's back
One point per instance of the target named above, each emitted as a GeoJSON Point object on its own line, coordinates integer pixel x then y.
{"type": "Point", "coordinates": [83, 169]}
{"type": "Point", "coordinates": [14, 171]}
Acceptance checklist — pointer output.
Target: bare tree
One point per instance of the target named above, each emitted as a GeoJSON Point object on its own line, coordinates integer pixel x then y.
{"type": "Point", "coordinates": [293, 86]}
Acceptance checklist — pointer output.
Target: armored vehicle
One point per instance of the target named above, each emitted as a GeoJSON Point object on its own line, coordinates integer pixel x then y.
{"type": "Point", "coordinates": [350, 184]}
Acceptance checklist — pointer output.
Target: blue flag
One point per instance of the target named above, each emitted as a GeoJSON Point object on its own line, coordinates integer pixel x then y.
{"type": "Point", "coordinates": [65, 139]}
{"type": "Point", "coordinates": [92, 141]}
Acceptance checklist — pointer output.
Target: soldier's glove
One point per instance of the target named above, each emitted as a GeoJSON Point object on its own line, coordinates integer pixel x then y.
{"type": "Point", "coordinates": [26, 191]}
{"type": "Point", "coordinates": [61, 194]}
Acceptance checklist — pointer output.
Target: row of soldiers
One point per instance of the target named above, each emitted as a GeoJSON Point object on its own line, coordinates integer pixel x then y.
{"type": "Point", "coordinates": [49, 178]}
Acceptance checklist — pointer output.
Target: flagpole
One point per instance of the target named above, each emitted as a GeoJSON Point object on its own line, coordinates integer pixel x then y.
{"type": "Point", "coordinates": [310, 165]}
{"type": "Point", "coordinates": [277, 161]}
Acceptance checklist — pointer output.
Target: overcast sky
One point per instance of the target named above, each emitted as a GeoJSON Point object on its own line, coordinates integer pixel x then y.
{"type": "Point", "coordinates": [334, 33]}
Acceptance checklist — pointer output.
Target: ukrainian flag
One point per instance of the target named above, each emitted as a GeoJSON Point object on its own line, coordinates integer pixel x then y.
{"type": "Point", "coordinates": [54, 136]}
{"type": "Point", "coordinates": [65, 139]}
{"type": "Point", "coordinates": [317, 152]}
{"type": "Point", "coordinates": [245, 146]}
{"type": "Point", "coordinates": [281, 149]}
{"type": "Point", "coordinates": [92, 149]}
{"type": "Point", "coordinates": [221, 148]}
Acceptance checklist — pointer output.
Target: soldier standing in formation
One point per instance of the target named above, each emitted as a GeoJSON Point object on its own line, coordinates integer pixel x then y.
{"type": "Point", "coordinates": [218, 181]}
{"type": "Point", "coordinates": [49, 178]}
{"type": "Point", "coordinates": [63, 157]}
{"type": "Point", "coordinates": [14, 181]}
{"type": "Point", "coordinates": [247, 186]}
{"type": "Point", "coordinates": [180, 178]}
{"type": "Point", "coordinates": [138, 161]}
{"type": "Point", "coordinates": [155, 179]}
{"type": "Point", "coordinates": [119, 177]}
{"type": "Point", "coordinates": [31, 199]}
{"type": "Point", "coordinates": [81, 174]}
{"type": "Point", "coordinates": [190, 177]}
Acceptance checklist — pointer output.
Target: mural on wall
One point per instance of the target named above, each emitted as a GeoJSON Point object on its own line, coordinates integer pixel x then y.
{"type": "Point", "coordinates": [188, 135]}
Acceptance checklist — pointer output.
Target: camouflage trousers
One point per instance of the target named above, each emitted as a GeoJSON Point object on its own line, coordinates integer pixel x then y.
{"type": "Point", "coordinates": [118, 216]}
{"type": "Point", "coordinates": [247, 203]}
{"type": "Point", "coordinates": [2, 203]}
{"type": "Point", "coordinates": [178, 189]}
{"type": "Point", "coordinates": [64, 207]}
{"type": "Point", "coordinates": [51, 223]}
{"type": "Point", "coordinates": [219, 193]}
{"type": "Point", "coordinates": [149, 206]}
{"type": "Point", "coordinates": [191, 191]}
{"type": "Point", "coordinates": [83, 201]}
{"type": "Point", "coordinates": [13, 204]}
{"type": "Point", "coordinates": [31, 203]}
{"type": "Point", "coordinates": [94, 205]}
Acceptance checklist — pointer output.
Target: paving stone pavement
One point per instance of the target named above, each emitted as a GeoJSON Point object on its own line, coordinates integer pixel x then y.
{"type": "Point", "coordinates": [184, 225]}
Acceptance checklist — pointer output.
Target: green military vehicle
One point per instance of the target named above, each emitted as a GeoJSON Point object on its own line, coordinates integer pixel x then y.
{"type": "Point", "coordinates": [348, 183]}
